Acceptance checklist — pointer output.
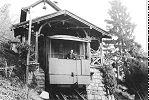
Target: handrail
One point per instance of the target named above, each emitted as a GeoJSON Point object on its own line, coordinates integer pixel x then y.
{"type": "Point", "coordinates": [62, 56]}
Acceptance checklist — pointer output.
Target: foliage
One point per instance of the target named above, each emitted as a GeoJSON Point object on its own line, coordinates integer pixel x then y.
{"type": "Point", "coordinates": [12, 89]}
{"type": "Point", "coordinates": [22, 49]}
{"type": "Point", "coordinates": [109, 81]}
{"type": "Point", "coordinates": [5, 33]}
{"type": "Point", "coordinates": [33, 83]}
{"type": "Point", "coordinates": [136, 77]}
{"type": "Point", "coordinates": [18, 59]}
{"type": "Point", "coordinates": [120, 26]}
{"type": "Point", "coordinates": [7, 54]}
{"type": "Point", "coordinates": [15, 89]}
{"type": "Point", "coordinates": [127, 54]}
{"type": "Point", "coordinates": [14, 58]}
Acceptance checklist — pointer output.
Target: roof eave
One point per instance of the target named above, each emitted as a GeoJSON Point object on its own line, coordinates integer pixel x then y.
{"type": "Point", "coordinates": [61, 12]}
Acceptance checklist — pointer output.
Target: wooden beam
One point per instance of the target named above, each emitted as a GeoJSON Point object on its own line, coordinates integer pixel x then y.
{"type": "Point", "coordinates": [101, 51]}
{"type": "Point", "coordinates": [36, 48]}
{"type": "Point", "coordinates": [40, 1]}
{"type": "Point", "coordinates": [32, 5]}
{"type": "Point", "coordinates": [53, 5]}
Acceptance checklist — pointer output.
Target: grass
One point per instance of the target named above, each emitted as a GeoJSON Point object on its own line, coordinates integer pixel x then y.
{"type": "Point", "coordinates": [14, 89]}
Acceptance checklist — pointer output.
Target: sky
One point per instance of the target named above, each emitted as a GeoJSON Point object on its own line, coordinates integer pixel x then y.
{"type": "Point", "coordinates": [94, 11]}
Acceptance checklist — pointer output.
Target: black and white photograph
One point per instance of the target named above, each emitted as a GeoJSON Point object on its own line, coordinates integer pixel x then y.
{"type": "Point", "coordinates": [73, 50]}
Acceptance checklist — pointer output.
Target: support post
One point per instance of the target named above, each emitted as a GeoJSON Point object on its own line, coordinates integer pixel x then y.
{"type": "Point", "coordinates": [36, 48]}
{"type": "Point", "coordinates": [28, 54]}
{"type": "Point", "coordinates": [29, 43]}
{"type": "Point", "coordinates": [88, 47]}
{"type": "Point", "coordinates": [101, 51]}
{"type": "Point", "coordinates": [89, 52]}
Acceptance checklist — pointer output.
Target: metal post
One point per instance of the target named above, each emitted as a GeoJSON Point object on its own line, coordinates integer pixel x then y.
{"type": "Point", "coordinates": [29, 43]}
{"type": "Point", "coordinates": [28, 55]}
{"type": "Point", "coordinates": [36, 51]}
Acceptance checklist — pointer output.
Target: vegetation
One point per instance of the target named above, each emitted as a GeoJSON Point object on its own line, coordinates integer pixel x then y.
{"type": "Point", "coordinates": [109, 81]}
{"type": "Point", "coordinates": [5, 33]}
{"type": "Point", "coordinates": [5, 36]}
{"type": "Point", "coordinates": [7, 55]}
{"type": "Point", "coordinates": [127, 56]}
{"type": "Point", "coordinates": [13, 87]}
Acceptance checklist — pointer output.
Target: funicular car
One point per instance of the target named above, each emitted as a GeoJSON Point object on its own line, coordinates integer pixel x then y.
{"type": "Point", "coordinates": [53, 36]}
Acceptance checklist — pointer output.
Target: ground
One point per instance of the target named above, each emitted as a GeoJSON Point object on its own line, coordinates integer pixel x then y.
{"type": "Point", "coordinates": [14, 89]}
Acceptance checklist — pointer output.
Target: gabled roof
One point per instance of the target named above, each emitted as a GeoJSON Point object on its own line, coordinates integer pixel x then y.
{"type": "Point", "coordinates": [64, 15]}
{"type": "Point", "coordinates": [44, 1]}
{"type": "Point", "coordinates": [26, 9]}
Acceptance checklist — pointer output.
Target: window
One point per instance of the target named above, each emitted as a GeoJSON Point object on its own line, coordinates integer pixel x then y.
{"type": "Point", "coordinates": [60, 48]}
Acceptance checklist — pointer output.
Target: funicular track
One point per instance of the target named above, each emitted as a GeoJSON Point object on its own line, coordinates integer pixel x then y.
{"type": "Point", "coordinates": [67, 94]}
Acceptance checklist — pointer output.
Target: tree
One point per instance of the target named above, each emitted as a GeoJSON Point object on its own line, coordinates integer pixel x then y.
{"type": "Point", "coordinates": [136, 77]}
{"type": "Point", "coordinates": [5, 23]}
{"type": "Point", "coordinates": [6, 37]}
{"type": "Point", "coordinates": [5, 33]}
{"type": "Point", "coordinates": [127, 55]}
{"type": "Point", "coordinates": [120, 25]}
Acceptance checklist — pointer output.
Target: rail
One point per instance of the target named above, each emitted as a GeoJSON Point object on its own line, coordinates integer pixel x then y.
{"type": "Point", "coordinates": [79, 95]}
{"type": "Point", "coordinates": [69, 94]}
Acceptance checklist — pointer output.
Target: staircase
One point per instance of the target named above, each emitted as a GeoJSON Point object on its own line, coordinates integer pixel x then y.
{"type": "Point", "coordinates": [40, 76]}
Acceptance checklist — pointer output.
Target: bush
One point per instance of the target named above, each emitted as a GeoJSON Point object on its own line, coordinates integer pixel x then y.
{"type": "Point", "coordinates": [136, 78]}
{"type": "Point", "coordinates": [110, 82]}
